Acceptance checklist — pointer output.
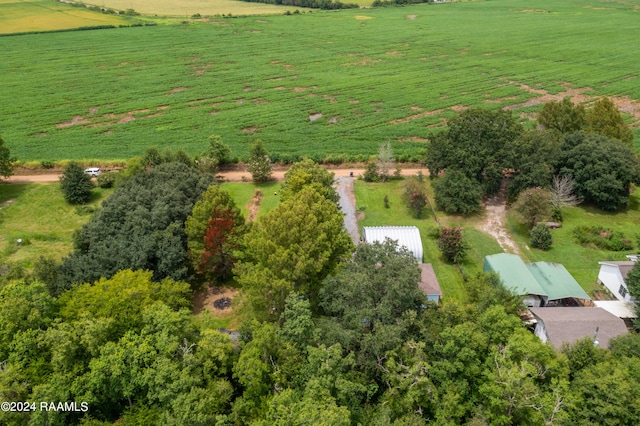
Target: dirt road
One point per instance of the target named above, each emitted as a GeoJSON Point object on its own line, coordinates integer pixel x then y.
{"type": "Point", "coordinates": [228, 176]}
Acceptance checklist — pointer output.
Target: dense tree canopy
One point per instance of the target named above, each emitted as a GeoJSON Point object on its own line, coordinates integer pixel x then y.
{"type": "Point", "coordinates": [259, 164]}
{"type": "Point", "coordinates": [605, 119]}
{"type": "Point", "coordinates": [456, 193]}
{"type": "Point", "coordinates": [370, 302]}
{"type": "Point", "coordinates": [532, 159]}
{"type": "Point", "coordinates": [474, 143]}
{"type": "Point", "coordinates": [563, 116]}
{"type": "Point", "coordinates": [307, 172]}
{"type": "Point", "coordinates": [602, 169]}
{"type": "Point", "coordinates": [282, 257]}
{"type": "Point", "coordinates": [140, 226]}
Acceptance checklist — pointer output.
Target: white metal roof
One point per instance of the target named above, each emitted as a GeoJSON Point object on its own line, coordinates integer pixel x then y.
{"type": "Point", "coordinates": [617, 307]}
{"type": "Point", "coordinates": [407, 236]}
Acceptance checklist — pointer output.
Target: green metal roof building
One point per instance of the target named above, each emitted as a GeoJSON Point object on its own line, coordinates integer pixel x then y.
{"type": "Point", "coordinates": [541, 283]}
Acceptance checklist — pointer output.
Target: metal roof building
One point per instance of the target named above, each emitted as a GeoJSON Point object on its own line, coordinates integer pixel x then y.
{"type": "Point", "coordinates": [542, 283]}
{"type": "Point", "coordinates": [406, 236]}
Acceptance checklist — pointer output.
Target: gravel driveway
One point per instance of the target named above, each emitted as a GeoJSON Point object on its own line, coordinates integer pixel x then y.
{"type": "Point", "coordinates": [344, 187]}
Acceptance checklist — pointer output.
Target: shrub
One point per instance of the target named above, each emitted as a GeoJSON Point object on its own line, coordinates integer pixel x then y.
{"type": "Point", "coordinates": [107, 180]}
{"type": "Point", "coordinates": [533, 205]}
{"type": "Point", "coordinates": [371, 174]}
{"type": "Point", "coordinates": [602, 238]}
{"type": "Point", "coordinates": [415, 196]}
{"type": "Point", "coordinates": [75, 184]}
{"type": "Point", "coordinates": [452, 245]}
{"type": "Point", "coordinates": [541, 237]}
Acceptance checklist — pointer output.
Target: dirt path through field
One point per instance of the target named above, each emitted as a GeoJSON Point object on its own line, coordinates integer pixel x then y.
{"type": "Point", "coordinates": [494, 223]}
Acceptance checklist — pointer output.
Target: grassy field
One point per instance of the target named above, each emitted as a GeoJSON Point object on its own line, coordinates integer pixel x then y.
{"type": "Point", "coordinates": [46, 15]}
{"type": "Point", "coordinates": [374, 75]}
{"type": "Point", "coordinates": [370, 197]}
{"type": "Point", "coordinates": [188, 8]}
{"type": "Point", "coordinates": [38, 214]}
{"type": "Point", "coordinates": [242, 193]}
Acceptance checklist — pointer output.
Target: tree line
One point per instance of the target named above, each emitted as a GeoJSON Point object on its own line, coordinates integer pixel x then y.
{"type": "Point", "coordinates": [480, 148]}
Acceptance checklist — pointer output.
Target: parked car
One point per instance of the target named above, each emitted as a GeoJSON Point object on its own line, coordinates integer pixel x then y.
{"type": "Point", "coordinates": [92, 171]}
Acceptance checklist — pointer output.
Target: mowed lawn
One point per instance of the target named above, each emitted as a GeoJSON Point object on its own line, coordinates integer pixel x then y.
{"type": "Point", "coordinates": [581, 262]}
{"type": "Point", "coordinates": [39, 216]}
{"type": "Point", "coordinates": [370, 201]}
{"type": "Point", "coordinates": [18, 16]}
{"type": "Point", "coordinates": [328, 85]}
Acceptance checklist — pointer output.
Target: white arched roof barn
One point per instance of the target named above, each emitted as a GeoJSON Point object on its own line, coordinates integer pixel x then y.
{"type": "Point", "coordinates": [407, 236]}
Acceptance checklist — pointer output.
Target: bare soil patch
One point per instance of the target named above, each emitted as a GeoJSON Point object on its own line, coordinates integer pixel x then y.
{"type": "Point", "coordinates": [177, 90]}
{"type": "Point", "coordinates": [412, 17]}
{"type": "Point", "coordinates": [413, 139]}
{"type": "Point", "coordinates": [254, 205]}
{"type": "Point", "coordinates": [250, 130]}
{"type": "Point", "coordinates": [578, 96]}
{"type": "Point", "coordinates": [416, 116]}
{"type": "Point", "coordinates": [208, 301]}
{"type": "Point", "coordinates": [78, 119]}
{"type": "Point", "coordinates": [498, 100]}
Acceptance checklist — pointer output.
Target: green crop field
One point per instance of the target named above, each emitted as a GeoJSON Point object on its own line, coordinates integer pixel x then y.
{"type": "Point", "coordinates": [188, 8]}
{"type": "Point", "coordinates": [18, 16]}
{"type": "Point", "coordinates": [328, 85]}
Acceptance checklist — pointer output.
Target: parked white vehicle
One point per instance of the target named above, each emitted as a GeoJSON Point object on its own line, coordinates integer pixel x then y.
{"type": "Point", "coordinates": [92, 171]}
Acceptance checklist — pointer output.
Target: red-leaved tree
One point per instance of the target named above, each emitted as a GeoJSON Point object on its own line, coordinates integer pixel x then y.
{"type": "Point", "coordinates": [221, 240]}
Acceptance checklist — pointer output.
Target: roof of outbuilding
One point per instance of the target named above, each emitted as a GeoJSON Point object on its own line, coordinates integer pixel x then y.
{"type": "Point", "coordinates": [568, 324]}
{"type": "Point", "coordinates": [514, 273]}
{"type": "Point", "coordinates": [428, 281]}
{"type": "Point", "coordinates": [556, 281]}
{"type": "Point", "coordinates": [407, 236]}
{"type": "Point", "coordinates": [541, 278]}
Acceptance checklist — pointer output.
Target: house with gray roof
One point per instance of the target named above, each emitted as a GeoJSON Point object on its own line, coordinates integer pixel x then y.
{"type": "Point", "coordinates": [566, 325]}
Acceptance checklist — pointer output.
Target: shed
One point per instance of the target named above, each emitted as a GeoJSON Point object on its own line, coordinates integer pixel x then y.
{"type": "Point", "coordinates": [557, 283]}
{"type": "Point", "coordinates": [406, 236]}
{"type": "Point", "coordinates": [613, 275]}
{"type": "Point", "coordinates": [540, 283]}
{"type": "Point", "coordinates": [517, 277]}
{"type": "Point", "coordinates": [567, 325]}
{"type": "Point", "coordinates": [429, 283]}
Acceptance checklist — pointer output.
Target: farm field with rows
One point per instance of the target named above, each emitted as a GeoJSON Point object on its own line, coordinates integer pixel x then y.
{"type": "Point", "coordinates": [188, 8]}
{"type": "Point", "coordinates": [17, 16]}
{"type": "Point", "coordinates": [328, 85]}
